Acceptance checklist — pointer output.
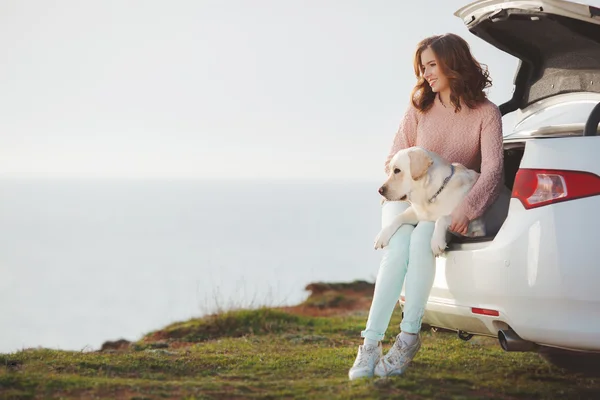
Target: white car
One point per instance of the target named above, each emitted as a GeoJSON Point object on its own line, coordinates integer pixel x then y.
{"type": "Point", "coordinates": [535, 285]}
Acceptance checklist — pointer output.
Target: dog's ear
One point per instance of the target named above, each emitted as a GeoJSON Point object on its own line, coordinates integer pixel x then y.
{"type": "Point", "coordinates": [419, 163]}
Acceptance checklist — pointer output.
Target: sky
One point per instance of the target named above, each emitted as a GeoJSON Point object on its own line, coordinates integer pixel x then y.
{"type": "Point", "coordinates": [223, 89]}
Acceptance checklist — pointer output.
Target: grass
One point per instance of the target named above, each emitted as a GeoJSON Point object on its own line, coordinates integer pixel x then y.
{"type": "Point", "coordinates": [278, 353]}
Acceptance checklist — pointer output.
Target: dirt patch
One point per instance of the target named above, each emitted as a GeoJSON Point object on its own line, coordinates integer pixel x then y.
{"type": "Point", "coordinates": [117, 345]}
{"type": "Point", "coordinates": [328, 299]}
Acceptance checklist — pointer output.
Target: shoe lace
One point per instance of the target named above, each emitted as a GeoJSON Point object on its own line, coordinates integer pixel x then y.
{"type": "Point", "coordinates": [396, 353]}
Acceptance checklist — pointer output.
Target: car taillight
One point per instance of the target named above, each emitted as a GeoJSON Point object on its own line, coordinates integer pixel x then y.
{"type": "Point", "coordinates": [540, 187]}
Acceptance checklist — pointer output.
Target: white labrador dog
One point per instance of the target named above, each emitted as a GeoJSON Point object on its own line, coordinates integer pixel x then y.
{"type": "Point", "coordinates": [433, 187]}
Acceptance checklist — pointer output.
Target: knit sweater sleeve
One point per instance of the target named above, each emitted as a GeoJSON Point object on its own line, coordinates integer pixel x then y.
{"type": "Point", "coordinates": [406, 136]}
{"type": "Point", "coordinates": [488, 185]}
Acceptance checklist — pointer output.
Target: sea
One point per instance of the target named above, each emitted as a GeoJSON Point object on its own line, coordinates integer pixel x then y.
{"type": "Point", "coordinates": [87, 261]}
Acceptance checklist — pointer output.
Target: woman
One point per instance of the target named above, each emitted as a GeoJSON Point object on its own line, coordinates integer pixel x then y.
{"type": "Point", "coordinates": [450, 115]}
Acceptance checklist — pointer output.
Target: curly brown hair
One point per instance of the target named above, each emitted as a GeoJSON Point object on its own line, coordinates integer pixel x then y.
{"type": "Point", "coordinates": [466, 76]}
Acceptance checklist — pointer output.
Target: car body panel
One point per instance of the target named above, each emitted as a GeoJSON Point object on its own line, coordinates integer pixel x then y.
{"type": "Point", "coordinates": [545, 291]}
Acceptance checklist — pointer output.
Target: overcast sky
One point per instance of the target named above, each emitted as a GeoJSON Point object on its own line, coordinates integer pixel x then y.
{"type": "Point", "coordinates": [302, 89]}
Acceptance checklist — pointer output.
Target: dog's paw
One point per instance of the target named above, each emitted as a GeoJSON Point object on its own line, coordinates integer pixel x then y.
{"type": "Point", "coordinates": [438, 245]}
{"type": "Point", "coordinates": [383, 238]}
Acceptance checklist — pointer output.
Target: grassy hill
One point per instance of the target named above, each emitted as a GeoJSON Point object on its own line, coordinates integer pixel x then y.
{"type": "Point", "coordinates": [293, 352]}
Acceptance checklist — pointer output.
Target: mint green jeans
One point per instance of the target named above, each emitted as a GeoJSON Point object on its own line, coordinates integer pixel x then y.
{"type": "Point", "coordinates": [409, 261]}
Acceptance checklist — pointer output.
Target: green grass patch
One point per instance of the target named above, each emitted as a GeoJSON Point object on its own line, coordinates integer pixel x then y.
{"type": "Point", "coordinates": [269, 354]}
{"type": "Point", "coordinates": [263, 321]}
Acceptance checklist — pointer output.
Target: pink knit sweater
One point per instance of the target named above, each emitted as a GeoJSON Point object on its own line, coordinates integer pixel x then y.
{"type": "Point", "coordinates": [472, 137]}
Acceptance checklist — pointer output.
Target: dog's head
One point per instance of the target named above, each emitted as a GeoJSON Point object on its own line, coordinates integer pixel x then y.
{"type": "Point", "coordinates": [406, 167]}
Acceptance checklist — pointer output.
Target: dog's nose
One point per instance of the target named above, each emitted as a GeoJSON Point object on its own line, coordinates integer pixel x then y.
{"type": "Point", "coordinates": [381, 190]}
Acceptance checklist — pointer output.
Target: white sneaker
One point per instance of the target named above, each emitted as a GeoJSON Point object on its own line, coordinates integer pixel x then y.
{"type": "Point", "coordinates": [367, 357]}
{"type": "Point", "coordinates": [397, 360]}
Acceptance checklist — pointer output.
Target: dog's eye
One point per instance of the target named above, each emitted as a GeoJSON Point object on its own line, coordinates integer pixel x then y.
{"type": "Point", "coordinates": [396, 171]}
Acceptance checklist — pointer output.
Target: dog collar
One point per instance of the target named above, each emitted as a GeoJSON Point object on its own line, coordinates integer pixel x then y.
{"type": "Point", "coordinates": [432, 199]}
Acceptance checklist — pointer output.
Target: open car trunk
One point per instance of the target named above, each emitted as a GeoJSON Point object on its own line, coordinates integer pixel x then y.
{"type": "Point", "coordinates": [557, 43]}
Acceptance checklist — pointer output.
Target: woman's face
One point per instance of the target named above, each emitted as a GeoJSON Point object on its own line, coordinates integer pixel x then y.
{"type": "Point", "coordinates": [432, 72]}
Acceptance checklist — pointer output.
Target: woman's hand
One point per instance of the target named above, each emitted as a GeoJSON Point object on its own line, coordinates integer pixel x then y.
{"type": "Point", "coordinates": [460, 223]}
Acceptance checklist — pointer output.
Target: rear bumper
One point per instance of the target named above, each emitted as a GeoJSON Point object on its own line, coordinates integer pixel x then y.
{"type": "Point", "coordinates": [458, 317]}
{"type": "Point", "coordinates": [569, 336]}
{"type": "Point", "coordinates": [542, 280]}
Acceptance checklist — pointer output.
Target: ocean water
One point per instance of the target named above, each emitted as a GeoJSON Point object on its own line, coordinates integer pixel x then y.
{"type": "Point", "coordinates": [82, 262]}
